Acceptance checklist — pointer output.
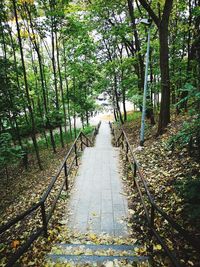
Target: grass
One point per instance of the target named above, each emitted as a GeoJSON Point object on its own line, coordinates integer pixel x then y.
{"type": "Point", "coordinates": [133, 115]}
{"type": "Point", "coordinates": [66, 137]}
{"type": "Point", "coordinates": [88, 130]}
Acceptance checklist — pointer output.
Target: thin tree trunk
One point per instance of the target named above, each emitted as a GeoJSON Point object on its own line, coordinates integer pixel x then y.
{"type": "Point", "coordinates": [162, 24]}
{"type": "Point", "coordinates": [53, 60]}
{"type": "Point", "coordinates": [42, 80]}
{"type": "Point", "coordinates": [184, 94]}
{"type": "Point", "coordinates": [25, 157]}
{"type": "Point", "coordinates": [74, 89]}
{"type": "Point", "coordinates": [164, 117]}
{"type": "Point", "coordinates": [124, 98]}
{"type": "Point", "coordinates": [33, 132]}
{"type": "Point", "coordinates": [38, 98]}
{"type": "Point", "coordinates": [61, 82]}
{"type": "Point", "coordinates": [137, 44]}
{"type": "Point", "coordinates": [117, 99]}
{"type": "Point", "coordinates": [12, 119]}
{"type": "Point", "coordinates": [67, 87]}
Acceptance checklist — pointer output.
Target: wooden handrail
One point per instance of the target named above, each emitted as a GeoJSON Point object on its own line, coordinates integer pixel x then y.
{"type": "Point", "coordinates": [41, 204]}
{"type": "Point", "coordinates": [95, 132]}
{"type": "Point", "coordinates": [24, 247]}
{"type": "Point", "coordinates": [184, 233]}
{"type": "Point", "coordinates": [18, 218]}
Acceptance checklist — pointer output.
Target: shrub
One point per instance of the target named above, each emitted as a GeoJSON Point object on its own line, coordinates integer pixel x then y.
{"type": "Point", "coordinates": [189, 189]}
{"type": "Point", "coordinates": [189, 136]}
{"type": "Point", "coordinates": [9, 154]}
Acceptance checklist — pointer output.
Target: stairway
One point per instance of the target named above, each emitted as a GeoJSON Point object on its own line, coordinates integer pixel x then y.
{"type": "Point", "coordinates": [95, 254]}
{"type": "Point", "coordinates": [97, 207]}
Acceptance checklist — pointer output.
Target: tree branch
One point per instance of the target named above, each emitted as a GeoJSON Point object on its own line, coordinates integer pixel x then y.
{"type": "Point", "coordinates": [167, 10]}
{"type": "Point", "coordinates": [138, 7]}
{"type": "Point", "coordinates": [150, 12]}
{"type": "Point", "coordinates": [126, 41]}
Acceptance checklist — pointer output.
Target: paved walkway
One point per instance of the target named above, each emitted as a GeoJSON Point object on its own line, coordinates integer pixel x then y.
{"type": "Point", "coordinates": [97, 203]}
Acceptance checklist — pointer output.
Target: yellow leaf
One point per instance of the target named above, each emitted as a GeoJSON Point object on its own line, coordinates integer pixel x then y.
{"type": "Point", "coordinates": [92, 236]}
{"type": "Point", "coordinates": [94, 214]}
{"type": "Point", "coordinates": [158, 247]}
{"type": "Point", "coordinates": [109, 264]}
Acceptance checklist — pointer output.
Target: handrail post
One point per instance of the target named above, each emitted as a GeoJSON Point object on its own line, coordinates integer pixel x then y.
{"type": "Point", "coordinates": [122, 140]}
{"type": "Point", "coordinates": [127, 148]}
{"type": "Point", "coordinates": [117, 142]}
{"type": "Point", "coordinates": [81, 138]}
{"type": "Point", "coordinates": [66, 175]}
{"type": "Point", "coordinates": [152, 216]}
{"type": "Point", "coordinates": [112, 130]}
{"type": "Point", "coordinates": [135, 169]}
{"type": "Point", "coordinates": [44, 219]}
{"type": "Point", "coordinates": [76, 155]}
{"type": "Point", "coordinates": [135, 173]}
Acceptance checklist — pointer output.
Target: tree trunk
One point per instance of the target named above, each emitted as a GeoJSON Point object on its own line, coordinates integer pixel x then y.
{"type": "Point", "coordinates": [124, 97]}
{"type": "Point", "coordinates": [61, 82]}
{"type": "Point", "coordinates": [67, 87]}
{"type": "Point", "coordinates": [115, 115]}
{"type": "Point", "coordinates": [117, 98]}
{"type": "Point", "coordinates": [162, 24]}
{"type": "Point", "coordinates": [164, 117]}
{"type": "Point", "coordinates": [26, 88]}
{"type": "Point", "coordinates": [74, 115]}
{"type": "Point", "coordinates": [184, 94]}
{"type": "Point", "coordinates": [13, 118]}
{"type": "Point", "coordinates": [137, 45]}
{"type": "Point", "coordinates": [42, 79]}
{"type": "Point", "coordinates": [34, 67]}
{"type": "Point", "coordinates": [53, 60]}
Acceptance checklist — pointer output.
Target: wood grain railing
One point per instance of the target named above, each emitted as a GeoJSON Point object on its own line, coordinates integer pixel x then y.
{"type": "Point", "coordinates": [153, 209]}
{"type": "Point", "coordinates": [66, 167]}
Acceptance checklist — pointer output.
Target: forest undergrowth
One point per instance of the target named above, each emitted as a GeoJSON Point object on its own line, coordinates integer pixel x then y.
{"type": "Point", "coordinates": [169, 174]}
{"type": "Point", "coordinates": [20, 191]}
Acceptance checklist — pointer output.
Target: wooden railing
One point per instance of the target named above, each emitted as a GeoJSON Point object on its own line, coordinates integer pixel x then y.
{"type": "Point", "coordinates": [73, 154]}
{"type": "Point", "coordinates": [150, 213]}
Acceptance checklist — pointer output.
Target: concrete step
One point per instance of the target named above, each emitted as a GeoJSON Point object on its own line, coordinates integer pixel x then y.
{"type": "Point", "coordinates": [93, 258]}
{"type": "Point", "coordinates": [92, 253]}
{"type": "Point", "coordinates": [96, 247]}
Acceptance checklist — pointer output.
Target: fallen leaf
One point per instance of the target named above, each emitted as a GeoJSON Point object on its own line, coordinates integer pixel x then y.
{"type": "Point", "coordinates": [15, 243]}
{"type": "Point", "coordinates": [109, 264]}
{"type": "Point", "coordinates": [157, 247]}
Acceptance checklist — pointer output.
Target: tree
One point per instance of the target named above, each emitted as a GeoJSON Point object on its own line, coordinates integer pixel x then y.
{"type": "Point", "coordinates": [162, 22]}
{"type": "Point", "coordinates": [33, 135]}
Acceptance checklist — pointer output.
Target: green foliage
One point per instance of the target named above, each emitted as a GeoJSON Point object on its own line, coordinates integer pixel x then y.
{"type": "Point", "coordinates": [188, 140]}
{"type": "Point", "coordinates": [189, 189]}
{"type": "Point", "coordinates": [95, 51]}
{"type": "Point", "coordinates": [136, 99]}
{"type": "Point", "coordinates": [66, 136]}
{"type": "Point", "coordinates": [55, 118]}
{"type": "Point", "coordinates": [189, 136]}
{"type": "Point", "coordinates": [9, 154]}
{"type": "Point", "coordinates": [133, 116]}
{"type": "Point", "coordinates": [88, 129]}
